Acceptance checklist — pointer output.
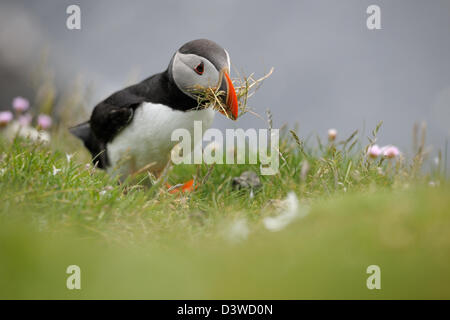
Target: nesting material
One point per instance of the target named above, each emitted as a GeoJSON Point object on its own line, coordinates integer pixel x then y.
{"type": "Point", "coordinates": [245, 88]}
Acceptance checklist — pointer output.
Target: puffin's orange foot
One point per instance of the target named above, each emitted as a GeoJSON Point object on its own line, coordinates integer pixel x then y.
{"type": "Point", "coordinates": [184, 187]}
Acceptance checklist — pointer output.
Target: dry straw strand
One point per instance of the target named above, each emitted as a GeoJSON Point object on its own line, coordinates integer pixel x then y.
{"type": "Point", "coordinates": [245, 88]}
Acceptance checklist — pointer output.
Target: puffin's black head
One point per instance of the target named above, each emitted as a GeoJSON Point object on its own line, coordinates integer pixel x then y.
{"type": "Point", "coordinates": [203, 64]}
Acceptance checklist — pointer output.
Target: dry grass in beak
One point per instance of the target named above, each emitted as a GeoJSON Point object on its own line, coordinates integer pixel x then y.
{"type": "Point", "coordinates": [245, 88]}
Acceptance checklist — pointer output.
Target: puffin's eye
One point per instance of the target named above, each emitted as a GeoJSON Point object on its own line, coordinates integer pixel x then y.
{"type": "Point", "coordinates": [200, 68]}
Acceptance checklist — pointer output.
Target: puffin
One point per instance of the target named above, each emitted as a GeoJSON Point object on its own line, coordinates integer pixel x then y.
{"type": "Point", "coordinates": [131, 129]}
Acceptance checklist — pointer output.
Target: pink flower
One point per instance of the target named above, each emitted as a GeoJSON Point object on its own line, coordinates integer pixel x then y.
{"type": "Point", "coordinates": [332, 134]}
{"type": "Point", "coordinates": [20, 104]}
{"type": "Point", "coordinates": [390, 152]}
{"type": "Point", "coordinates": [5, 118]}
{"type": "Point", "coordinates": [25, 119]}
{"type": "Point", "coordinates": [44, 121]}
{"type": "Point", "coordinates": [374, 151]}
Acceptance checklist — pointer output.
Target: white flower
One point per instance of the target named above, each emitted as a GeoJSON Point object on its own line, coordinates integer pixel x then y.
{"type": "Point", "coordinates": [16, 129]}
{"type": "Point", "coordinates": [105, 190]}
{"type": "Point", "coordinates": [292, 212]}
{"type": "Point", "coordinates": [69, 157]}
{"type": "Point", "coordinates": [55, 170]}
{"type": "Point", "coordinates": [332, 134]}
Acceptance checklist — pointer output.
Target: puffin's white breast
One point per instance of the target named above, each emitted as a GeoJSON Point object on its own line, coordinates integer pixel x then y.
{"type": "Point", "coordinates": [147, 138]}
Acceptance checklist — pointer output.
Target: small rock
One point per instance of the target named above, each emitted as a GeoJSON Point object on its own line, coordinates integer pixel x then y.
{"type": "Point", "coordinates": [247, 180]}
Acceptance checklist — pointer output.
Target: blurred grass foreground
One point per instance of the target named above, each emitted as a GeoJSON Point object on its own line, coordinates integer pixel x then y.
{"type": "Point", "coordinates": [308, 232]}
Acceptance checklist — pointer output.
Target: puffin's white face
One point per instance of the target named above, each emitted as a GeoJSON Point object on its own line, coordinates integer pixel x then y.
{"type": "Point", "coordinates": [191, 72]}
{"type": "Point", "coordinates": [204, 64]}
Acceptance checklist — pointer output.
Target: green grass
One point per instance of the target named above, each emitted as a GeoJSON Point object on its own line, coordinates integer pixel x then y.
{"type": "Point", "coordinates": [134, 240]}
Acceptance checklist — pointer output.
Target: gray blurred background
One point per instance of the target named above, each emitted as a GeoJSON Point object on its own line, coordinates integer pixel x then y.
{"type": "Point", "coordinates": [330, 70]}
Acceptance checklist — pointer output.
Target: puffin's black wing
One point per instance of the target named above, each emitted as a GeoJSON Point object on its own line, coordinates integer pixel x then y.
{"type": "Point", "coordinates": [107, 120]}
{"type": "Point", "coordinates": [113, 114]}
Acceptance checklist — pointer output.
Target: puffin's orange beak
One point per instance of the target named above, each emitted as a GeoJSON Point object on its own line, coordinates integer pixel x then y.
{"type": "Point", "coordinates": [231, 98]}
